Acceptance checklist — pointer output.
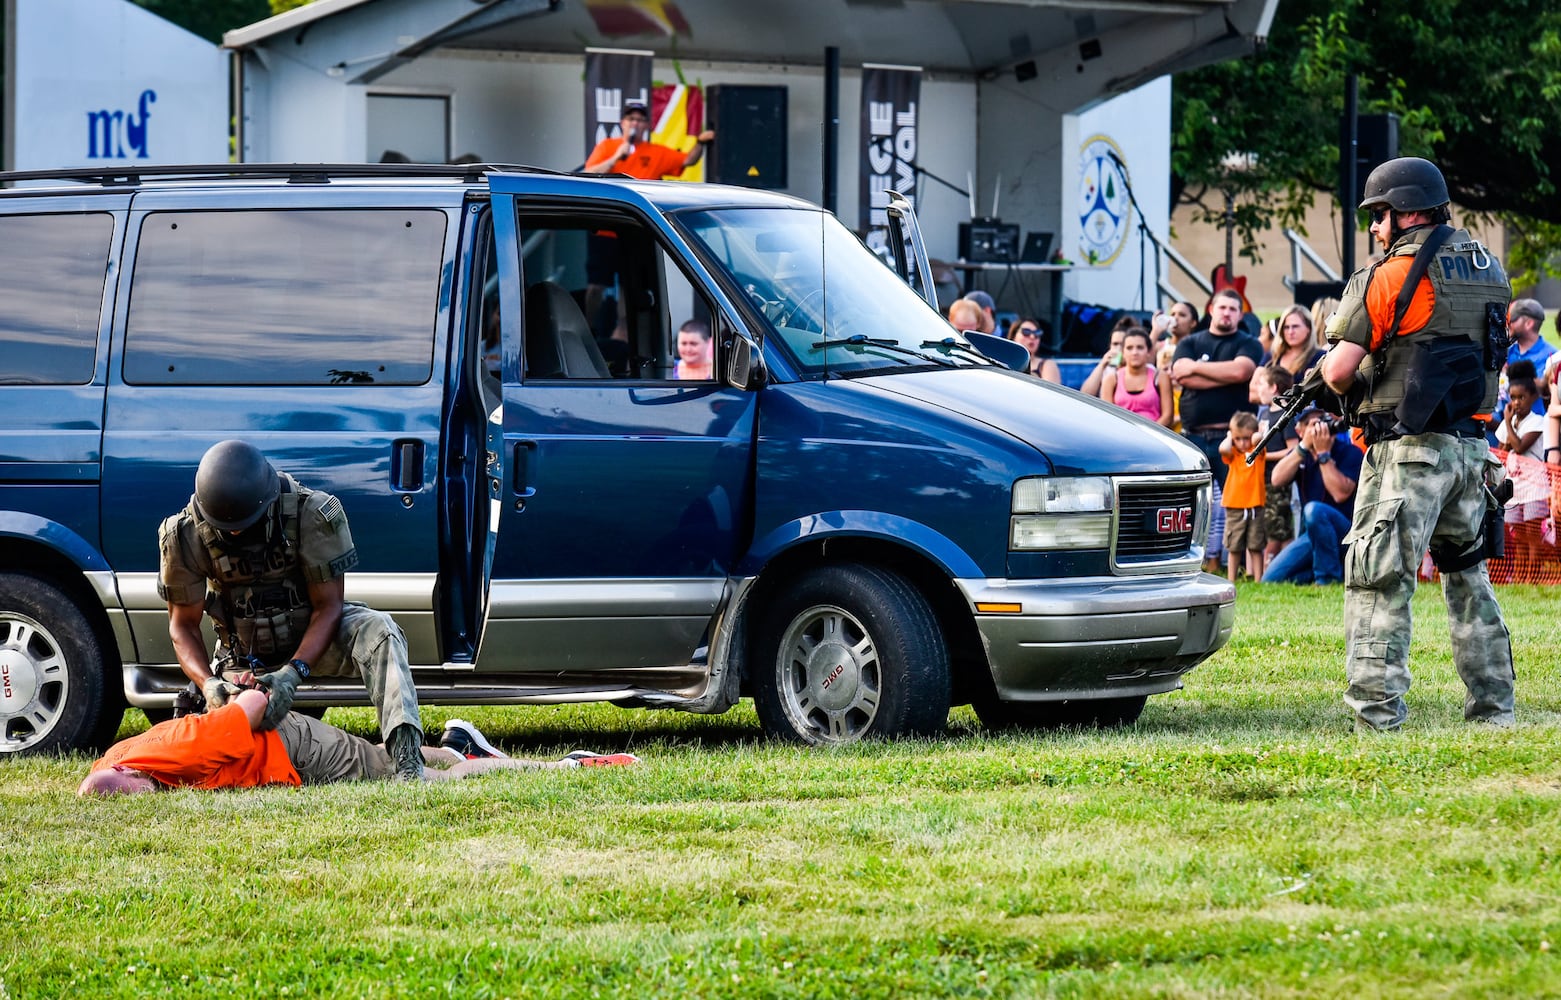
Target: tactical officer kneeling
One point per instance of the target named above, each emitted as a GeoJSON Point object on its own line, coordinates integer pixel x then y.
{"type": "Point", "coordinates": [266, 558]}
{"type": "Point", "coordinates": [1417, 343]}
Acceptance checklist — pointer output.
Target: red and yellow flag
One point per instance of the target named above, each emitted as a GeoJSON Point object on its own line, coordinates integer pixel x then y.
{"type": "Point", "coordinates": [677, 116]}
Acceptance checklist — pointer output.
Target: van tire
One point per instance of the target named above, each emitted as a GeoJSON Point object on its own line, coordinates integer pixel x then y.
{"type": "Point", "coordinates": [1084, 713]}
{"type": "Point", "coordinates": [51, 669]}
{"type": "Point", "coordinates": [850, 652]}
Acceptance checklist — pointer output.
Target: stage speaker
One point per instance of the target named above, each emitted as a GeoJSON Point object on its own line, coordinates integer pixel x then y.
{"type": "Point", "coordinates": [750, 135]}
{"type": "Point", "coordinates": [1376, 142]}
{"type": "Point", "coordinates": [988, 241]}
{"type": "Point", "coordinates": [1307, 292]}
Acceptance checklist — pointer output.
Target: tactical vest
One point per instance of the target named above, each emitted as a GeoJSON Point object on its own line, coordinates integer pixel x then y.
{"type": "Point", "coordinates": [1465, 277]}
{"type": "Point", "coordinates": [258, 587]}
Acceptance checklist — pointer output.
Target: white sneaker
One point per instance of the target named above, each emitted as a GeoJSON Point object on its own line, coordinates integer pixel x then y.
{"type": "Point", "coordinates": [467, 742]}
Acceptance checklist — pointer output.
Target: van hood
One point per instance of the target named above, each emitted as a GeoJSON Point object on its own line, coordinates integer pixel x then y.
{"type": "Point", "coordinates": [1077, 434]}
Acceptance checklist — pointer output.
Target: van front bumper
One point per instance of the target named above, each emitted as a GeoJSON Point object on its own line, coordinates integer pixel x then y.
{"type": "Point", "coordinates": [1099, 637]}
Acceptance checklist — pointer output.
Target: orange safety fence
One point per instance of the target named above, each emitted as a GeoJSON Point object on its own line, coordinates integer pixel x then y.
{"type": "Point", "coordinates": [1532, 554]}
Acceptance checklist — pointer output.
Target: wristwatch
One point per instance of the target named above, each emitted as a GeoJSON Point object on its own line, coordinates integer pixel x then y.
{"type": "Point", "coordinates": [302, 666]}
{"type": "Point", "coordinates": [1323, 458]}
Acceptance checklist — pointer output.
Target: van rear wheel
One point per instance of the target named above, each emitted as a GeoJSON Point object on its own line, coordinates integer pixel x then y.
{"type": "Point", "coordinates": [851, 652]}
{"type": "Point", "coordinates": [51, 669]}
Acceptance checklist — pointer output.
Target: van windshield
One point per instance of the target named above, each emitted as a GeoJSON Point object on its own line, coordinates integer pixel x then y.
{"type": "Point", "coordinates": [829, 301]}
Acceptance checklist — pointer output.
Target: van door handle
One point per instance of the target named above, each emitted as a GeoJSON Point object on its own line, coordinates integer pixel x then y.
{"type": "Point", "coordinates": [406, 465]}
{"type": "Point", "coordinates": [525, 456]}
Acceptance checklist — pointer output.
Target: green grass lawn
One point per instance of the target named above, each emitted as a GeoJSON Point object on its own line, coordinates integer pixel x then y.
{"type": "Point", "coordinates": [1239, 841]}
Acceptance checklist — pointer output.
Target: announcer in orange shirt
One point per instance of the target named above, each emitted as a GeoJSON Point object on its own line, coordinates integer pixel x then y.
{"type": "Point", "coordinates": [634, 154]}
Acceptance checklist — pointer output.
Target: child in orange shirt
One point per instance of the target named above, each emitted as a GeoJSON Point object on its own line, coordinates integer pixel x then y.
{"type": "Point", "coordinates": [1243, 497]}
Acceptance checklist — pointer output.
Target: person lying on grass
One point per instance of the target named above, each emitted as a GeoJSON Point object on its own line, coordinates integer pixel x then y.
{"type": "Point", "coordinates": [227, 748]}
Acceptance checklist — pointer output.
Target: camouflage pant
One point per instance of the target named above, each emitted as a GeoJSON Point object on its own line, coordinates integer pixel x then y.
{"type": "Point", "coordinates": [1414, 492]}
{"type": "Point", "coordinates": [369, 644]}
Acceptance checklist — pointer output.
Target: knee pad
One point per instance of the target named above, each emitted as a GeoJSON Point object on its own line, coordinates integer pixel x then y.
{"type": "Point", "coordinates": [1453, 560]}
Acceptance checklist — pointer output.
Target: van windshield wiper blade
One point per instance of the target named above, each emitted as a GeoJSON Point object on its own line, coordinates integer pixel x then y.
{"type": "Point", "coordinates": [963, 348]}
{"type": "Point", "coordinates": [857, 338]}
{"type": "Point", "coordinates": [884, 343]}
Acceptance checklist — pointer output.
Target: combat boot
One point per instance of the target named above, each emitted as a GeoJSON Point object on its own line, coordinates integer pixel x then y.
{"type": "Point", "coordinates": [405, 746]}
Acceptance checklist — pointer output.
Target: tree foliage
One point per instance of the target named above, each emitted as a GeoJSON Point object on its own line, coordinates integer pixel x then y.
{"type": "Point", "coordinates": [1473, 84]}
{"type": "Point", "coordinates": [209, 18]}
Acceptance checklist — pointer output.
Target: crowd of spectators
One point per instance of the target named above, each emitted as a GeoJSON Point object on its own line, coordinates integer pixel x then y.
{"type": "Point", "coordinates": [1210, 377]}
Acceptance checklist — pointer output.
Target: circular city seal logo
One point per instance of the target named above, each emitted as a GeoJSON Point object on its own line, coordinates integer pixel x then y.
{"type": "Point", "coordinates": [1104, 210]}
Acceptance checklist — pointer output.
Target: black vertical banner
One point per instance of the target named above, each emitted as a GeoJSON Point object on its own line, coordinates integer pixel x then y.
{"type": "Point", "coordinates": [613, 77]}
{"type": "Point", "coordinates": [889, 98]}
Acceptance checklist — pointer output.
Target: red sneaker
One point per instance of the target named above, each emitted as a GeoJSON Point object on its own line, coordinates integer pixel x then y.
{"type": "Point", "coordinates": [590, 758]}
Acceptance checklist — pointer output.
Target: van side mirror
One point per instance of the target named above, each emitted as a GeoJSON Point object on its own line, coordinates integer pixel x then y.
{"type": "Point", "coordinates": [1000, 349]}
{"type": "Point", "coordinates": [744, 364]}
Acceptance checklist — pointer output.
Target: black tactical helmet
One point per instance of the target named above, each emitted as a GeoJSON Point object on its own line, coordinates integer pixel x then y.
{"type": "Point", "coordinates": [1407, 184]}
{"type": "Point", "coordinates": [234, 485]}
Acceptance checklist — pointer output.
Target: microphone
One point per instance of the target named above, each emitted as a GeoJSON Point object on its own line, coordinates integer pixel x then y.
{"type": "Point", "coordinates": [1116, 159]}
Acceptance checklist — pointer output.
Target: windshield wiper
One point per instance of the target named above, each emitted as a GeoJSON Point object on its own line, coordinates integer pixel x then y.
{"type": "Point", "coordinates": [884, 343]}
{"type": "Point", "coordinates": [963, 348]}
{"type": "Point", "coordinates": [857, 338]}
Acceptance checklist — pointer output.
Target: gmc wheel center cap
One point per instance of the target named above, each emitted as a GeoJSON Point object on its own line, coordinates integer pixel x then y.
{"type": "Point", "coordinates": [18, 681]}
{"type": "Point", "coordinates": [832, 670]}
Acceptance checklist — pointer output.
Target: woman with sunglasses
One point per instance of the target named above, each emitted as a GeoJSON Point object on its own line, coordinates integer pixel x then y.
{"type": "Point", "coordinates": [1027, 331]}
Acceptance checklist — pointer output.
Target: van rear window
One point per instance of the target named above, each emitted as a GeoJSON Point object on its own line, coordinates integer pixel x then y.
{"type": "Point", "coordinates": [51, 296]}
{"type": "Point", "coordinates": [337, 297]}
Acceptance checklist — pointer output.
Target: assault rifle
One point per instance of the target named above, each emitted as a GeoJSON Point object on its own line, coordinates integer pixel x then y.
{"type": "Point", "coordinates": [1309, 391]}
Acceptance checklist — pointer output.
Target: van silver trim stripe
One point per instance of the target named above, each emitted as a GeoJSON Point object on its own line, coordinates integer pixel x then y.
{"type": "Point", "coordinates": [621, 598]}
{"type": "Point", "coordinates": [381, 591]}
{"type": "Point", "coordinates": [632, 597]}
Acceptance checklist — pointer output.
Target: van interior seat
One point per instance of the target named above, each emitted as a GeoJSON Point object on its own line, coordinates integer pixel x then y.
{"type": "Point", "coordinates": [559, 342]}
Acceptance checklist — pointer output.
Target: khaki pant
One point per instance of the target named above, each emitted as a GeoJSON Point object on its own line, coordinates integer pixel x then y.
{"type": "Point", "coordinates": [323, 754]}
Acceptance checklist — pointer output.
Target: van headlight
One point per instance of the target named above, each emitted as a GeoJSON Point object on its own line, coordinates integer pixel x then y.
{"type": "Point", "coordinates": [1061, 512]}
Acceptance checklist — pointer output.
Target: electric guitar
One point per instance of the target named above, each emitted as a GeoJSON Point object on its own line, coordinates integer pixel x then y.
{"type": "Point", "coordinates": [1224, 275]}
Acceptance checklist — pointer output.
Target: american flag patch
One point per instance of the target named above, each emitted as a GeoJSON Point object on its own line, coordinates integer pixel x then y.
{"type": "Point", "coordinates": [332, 514]}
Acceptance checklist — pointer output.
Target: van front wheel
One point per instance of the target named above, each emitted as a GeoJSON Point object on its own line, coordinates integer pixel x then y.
{"type": "Point", "coordinates": [851, 652]}
{"type": "Point", "coordinates": [51, 669]}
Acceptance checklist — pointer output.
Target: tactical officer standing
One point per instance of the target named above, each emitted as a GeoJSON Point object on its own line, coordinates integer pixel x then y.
{"type": "Point", "coordinates": [1417, 343]}
{"type": "Point", "coordinates": [266, 558]}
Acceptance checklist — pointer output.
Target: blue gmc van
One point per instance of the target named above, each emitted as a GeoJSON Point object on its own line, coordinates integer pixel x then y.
{"type": "Point", "coordinates": [859, 520]}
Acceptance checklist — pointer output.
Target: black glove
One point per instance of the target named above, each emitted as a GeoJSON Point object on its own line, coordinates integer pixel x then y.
{"type": "Point", "coordinates": [280, 684]}
{"type": "Point", "coordinates": [218, 692]}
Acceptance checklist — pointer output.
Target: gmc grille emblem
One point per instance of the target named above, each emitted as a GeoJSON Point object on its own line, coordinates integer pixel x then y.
{"type": "Point", "coordinates": [1173, 520]}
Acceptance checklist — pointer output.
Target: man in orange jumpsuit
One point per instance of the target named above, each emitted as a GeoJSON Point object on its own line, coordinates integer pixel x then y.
{"type": "Point", "coordinates": [227, 748]}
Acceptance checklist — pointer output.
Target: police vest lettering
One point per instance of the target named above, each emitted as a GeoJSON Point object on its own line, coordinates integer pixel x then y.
{"type": "Point", "coordinates": [1464, 277]}
{"type": "Point", "coordinates": [263, 581]}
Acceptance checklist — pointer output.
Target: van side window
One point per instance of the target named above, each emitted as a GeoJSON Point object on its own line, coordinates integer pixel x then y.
{"type": "Point", "coordinates": [691, 347]}
{"type": "Point", "coordinates": [51, 296]}
{"type": "Point", "coordinates": [603, 299]}
{"type": "Point", "coordinates": [337, 297]}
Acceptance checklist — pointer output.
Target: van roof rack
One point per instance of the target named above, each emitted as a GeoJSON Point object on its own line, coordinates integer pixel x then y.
{"type": "Point", "coordinates": [293, 173]}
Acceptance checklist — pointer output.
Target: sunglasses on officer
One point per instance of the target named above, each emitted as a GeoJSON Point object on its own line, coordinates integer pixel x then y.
{"type": "Point", "coordinates": [1378, 213]}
